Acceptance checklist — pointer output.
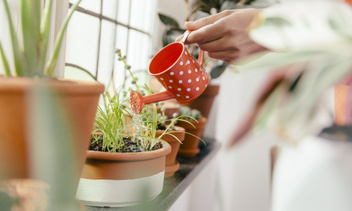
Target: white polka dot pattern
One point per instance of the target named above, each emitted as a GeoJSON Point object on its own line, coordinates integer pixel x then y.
{"type": "Point", "coordinates": [185, 87]}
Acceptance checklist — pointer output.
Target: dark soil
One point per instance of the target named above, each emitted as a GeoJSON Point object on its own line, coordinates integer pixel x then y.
{"type": "Point", "coordinates": [163, 127]}
{"type": "Point", "coordinates": [129, 146]}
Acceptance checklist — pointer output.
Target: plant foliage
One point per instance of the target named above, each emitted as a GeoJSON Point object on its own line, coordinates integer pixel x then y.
{"type": "Point", "coordinates": [30, 56]}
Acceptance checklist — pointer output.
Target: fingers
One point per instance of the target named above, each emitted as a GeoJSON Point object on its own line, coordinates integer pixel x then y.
{"type": "Point", "coordinates": [195, 25]}
{"type": "Point", "coordinates": [207, 29]}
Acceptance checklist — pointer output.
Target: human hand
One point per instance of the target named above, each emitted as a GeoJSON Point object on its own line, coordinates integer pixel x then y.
{"type": "Point", "coordinates": [224, 35]}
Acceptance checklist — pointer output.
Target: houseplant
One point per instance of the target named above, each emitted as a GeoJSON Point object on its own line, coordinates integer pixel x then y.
{"type": "Point", "coordinates": [174, 135]}
{"type": "Point", "coordinates": [194, 126]}
{"type": "Point", "coordinates": [126, 161]}
{"type": "Point", "coordinates": [314, 162]}
{"type": "Point", "coordinates": [32, 69]}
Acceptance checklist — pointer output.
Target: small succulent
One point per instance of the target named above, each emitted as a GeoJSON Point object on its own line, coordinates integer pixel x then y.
{"type": "Point", "coordinates": [188, 113]}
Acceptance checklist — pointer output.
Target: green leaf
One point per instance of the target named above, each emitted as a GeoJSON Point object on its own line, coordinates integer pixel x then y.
{"type": "Point", "coordinates": [17, 56]}
{"type": "Point", "coordinates": [57, 46]}
{"type": "Point", "coordinates": [4, 62]}
{"type": "Point", "coordinates": [218, 70]}
{"type": "Point", "coordinates": [45, 32]}
{"type": "Point", "coordinates": [52, 147]}
{"type": "Point", "coordinates": [168, 21]}
{"type": "Point", "coordinates": [30, 36]}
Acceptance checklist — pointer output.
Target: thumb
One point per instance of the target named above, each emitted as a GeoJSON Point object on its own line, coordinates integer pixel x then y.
{"type": "Point", "coordinates": [195, 25]}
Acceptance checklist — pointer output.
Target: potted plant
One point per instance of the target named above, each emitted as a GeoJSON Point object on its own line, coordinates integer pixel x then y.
{"type": "Point", "coordinates": [126, 161]}
{"type": "Point", "coordinates": [315, 154]}
{"type": "Point", "coordinates": [174, 135]}
{"type": "Point", "coordinates": [194, 124]}
{"type": "Point", "coordinates": [32, 69]}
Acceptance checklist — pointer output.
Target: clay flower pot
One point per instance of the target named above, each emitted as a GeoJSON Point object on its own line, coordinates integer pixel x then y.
{"type": "Point", "coordinates": [171, 164]}
{"type": "Point", "coordinates": [122, 179]}
{"type": "Point", "coordinates": [205, 101]}
{"type": "Point", "coordinates": [80, 101]}
{"type": "Point", "coordinates": [189, 147]}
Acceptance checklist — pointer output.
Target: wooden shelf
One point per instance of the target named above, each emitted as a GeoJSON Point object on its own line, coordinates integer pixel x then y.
{"type": "Point", "coordinates": [174, 186]}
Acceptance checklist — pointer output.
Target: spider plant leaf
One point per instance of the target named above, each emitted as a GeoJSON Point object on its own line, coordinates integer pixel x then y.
{"type": "Point", "coordinates": [17, 56]}
{"type": "Point", "coordinates": [52, 148]}
{"type": "Point", "coordinates": [5, 62]}
{"type": "Point", "coordinates": [57, 46]}
{"type": "Point", "coordinates": [45, 32]}
{"type": "Point", "coordinates": [30, 32]}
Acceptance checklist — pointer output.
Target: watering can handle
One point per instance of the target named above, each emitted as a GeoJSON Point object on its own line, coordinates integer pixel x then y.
{"type": "Point", "coordinates": [201, 52]}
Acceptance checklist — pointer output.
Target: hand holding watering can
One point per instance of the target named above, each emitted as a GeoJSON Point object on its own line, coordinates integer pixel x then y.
{"type": "Point", "coordinates": [182, 76]}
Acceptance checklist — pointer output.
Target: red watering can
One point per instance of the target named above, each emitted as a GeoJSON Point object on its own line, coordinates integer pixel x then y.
{"type": "Point", "coordinates": [182, 76]}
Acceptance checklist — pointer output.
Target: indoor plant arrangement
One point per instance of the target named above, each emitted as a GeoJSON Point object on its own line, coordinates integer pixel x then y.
{"type": "Point", "coordinates": [174, 135]}
{"type": "Point", "coordinates": [34, 71]}
{"type": "Point", "coordinates": [126, 161]}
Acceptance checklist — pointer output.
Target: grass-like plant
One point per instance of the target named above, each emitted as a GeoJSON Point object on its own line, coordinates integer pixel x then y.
{"type": "Point", "coordinates": [30, 57]}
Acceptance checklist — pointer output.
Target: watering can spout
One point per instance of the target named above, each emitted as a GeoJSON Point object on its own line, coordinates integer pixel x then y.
{"type": "Point", "coordinates": [138, 101]}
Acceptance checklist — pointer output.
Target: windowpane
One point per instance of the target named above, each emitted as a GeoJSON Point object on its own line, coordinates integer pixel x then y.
{"type": "Point", "coordinates": [92, 5]}
{"type": "Point", "coordinates": [139, 46]}
{"type": "Point", "coordinates": [123, 11]}
{"type": "Point", "coordinates": [109, 8]}
{"type": "Point", "coordinates": [142, 14]}
{"type": "Point", "coordinates": [107, 50]}
{"type": "Point", "coordinates": [121, 43]}
{"type": "Point", "coordinates": [82, 41]}
{"type": "Point", "coordinates": [94, 35]}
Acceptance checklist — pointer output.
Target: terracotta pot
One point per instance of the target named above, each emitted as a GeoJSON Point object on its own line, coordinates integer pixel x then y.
{"type": "Point", "coordinates": [205, 101]}
{"type": "Point", "coordinates": [122, 179]}
{"type": "Point", "coordinates": [80, 99]}
{"type": "Point", "coordinates": [171, 165]}
{"type": "Point", "coordinates": [189, 147]}
{"type": "Point", "coordinates": [341, 94]}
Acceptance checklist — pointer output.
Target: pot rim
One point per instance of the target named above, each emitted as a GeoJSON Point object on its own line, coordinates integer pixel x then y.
{"type": "Point", "coordinates": [130, 156]}
{"type": "Point", "coordinates": [22, 84]}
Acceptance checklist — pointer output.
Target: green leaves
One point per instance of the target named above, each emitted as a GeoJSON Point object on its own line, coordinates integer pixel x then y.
{"type": "Point", "coordinates": [19, 59]}
{"type": "Point", "coordinates": [168, 21]}
{"type": "Point", "coordinates": [4, 62]}
{"type": "Point", "coordinates": [52, 61]}
{"type": "Point", "coordinates": [30, 59]}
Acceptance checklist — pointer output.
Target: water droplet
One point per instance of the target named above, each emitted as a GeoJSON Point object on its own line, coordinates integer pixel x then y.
{"type": "Point", "coordinates": [189, 80]}
{"type": "Point", "coordinates": [188, 89]}
{"type": "Point", "coordinates": [181, 72]}
{"type": "Point", "coordinates": [180, 81]}
{"type": "Point", "coordinates": [197, 88]}
{"type": "Point", "coordinates": [189, 71]}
